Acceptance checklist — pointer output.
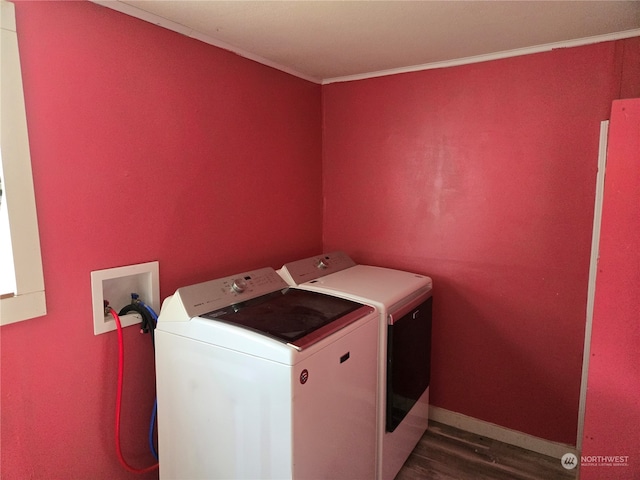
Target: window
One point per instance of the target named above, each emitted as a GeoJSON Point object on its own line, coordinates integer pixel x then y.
{"type": "Point", "coordinates": [22, 284]}
{"type": "Point", "coordinates": [7, 276]}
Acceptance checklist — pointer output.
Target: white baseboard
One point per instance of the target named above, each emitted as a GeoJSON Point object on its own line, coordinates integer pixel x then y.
{"type": "Point", "coordinates": [502, 434]}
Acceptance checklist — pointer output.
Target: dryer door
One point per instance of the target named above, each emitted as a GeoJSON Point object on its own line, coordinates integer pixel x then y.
{"type": "Point", "coordinates": [408, 361]}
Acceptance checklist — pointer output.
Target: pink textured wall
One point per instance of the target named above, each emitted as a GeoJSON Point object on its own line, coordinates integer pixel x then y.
{"type": "Point", "coordinates": [613, 390]}
{"type": "Point", "coordinates": [483, 177]}
{"type": "Point", "coordinates": [146, 145]}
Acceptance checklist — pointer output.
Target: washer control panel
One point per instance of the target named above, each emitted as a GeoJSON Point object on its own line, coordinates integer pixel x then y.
{"type": "Point", "coordinates": [308, 269]}
{"type": "Point", "coordinates": [208, 296]}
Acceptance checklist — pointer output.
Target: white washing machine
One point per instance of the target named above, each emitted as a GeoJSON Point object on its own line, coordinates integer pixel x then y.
{"type": "Point", "coordinates": [404, 302]}
{"type": "Point", "coordinates": [259, 380]}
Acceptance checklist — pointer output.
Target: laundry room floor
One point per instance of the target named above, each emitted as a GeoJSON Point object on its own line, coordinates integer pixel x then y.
{"type": "Point", "coordinates": [446, 453]}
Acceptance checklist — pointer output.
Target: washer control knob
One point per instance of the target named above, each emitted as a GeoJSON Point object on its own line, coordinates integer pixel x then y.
{"type": "Point", "coordinates": [323, 264]}
{"type": "Point", "coordinates": [239, 285]}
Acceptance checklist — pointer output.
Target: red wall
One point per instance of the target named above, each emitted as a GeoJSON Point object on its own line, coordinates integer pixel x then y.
{"type": "Point", "coordinates": [483, 177]}
{"type": "Point", "coordinates": [613, 390]}
{"type": "Point", "coordinates": [146, 145]}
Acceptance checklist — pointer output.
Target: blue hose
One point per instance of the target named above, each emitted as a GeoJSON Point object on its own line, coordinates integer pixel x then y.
{"type": "Point", "coordinates": [151, 429]}
{"type": "Point", "coordinates": [153, 314]}
{"type": "Point", "coordinates": [154, 412]}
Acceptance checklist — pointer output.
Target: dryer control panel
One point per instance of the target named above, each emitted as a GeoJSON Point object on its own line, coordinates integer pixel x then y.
{"type": "Point", "coordinates": [308, 269]}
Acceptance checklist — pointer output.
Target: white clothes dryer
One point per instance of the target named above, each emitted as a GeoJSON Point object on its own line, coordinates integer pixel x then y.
{"type": "Point", "coordinates": [256, 379]}
{"type": "Point", "coordinates": [404, 302]}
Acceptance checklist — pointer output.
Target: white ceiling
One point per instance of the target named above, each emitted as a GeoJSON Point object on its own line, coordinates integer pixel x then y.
{"type": "Point", "coordinates": [327, 41]}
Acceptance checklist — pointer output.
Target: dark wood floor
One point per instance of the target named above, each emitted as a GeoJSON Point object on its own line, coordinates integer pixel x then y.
{"type": "Point", "coordinates": [446, 453]}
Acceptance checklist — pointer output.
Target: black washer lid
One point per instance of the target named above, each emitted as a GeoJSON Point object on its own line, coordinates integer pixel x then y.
{"type": "Point", "coordinates": [293, 316]}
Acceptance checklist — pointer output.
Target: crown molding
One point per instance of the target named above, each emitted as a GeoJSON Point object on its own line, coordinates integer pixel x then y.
{"type": "Point", "coordinates": [490, 56]}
